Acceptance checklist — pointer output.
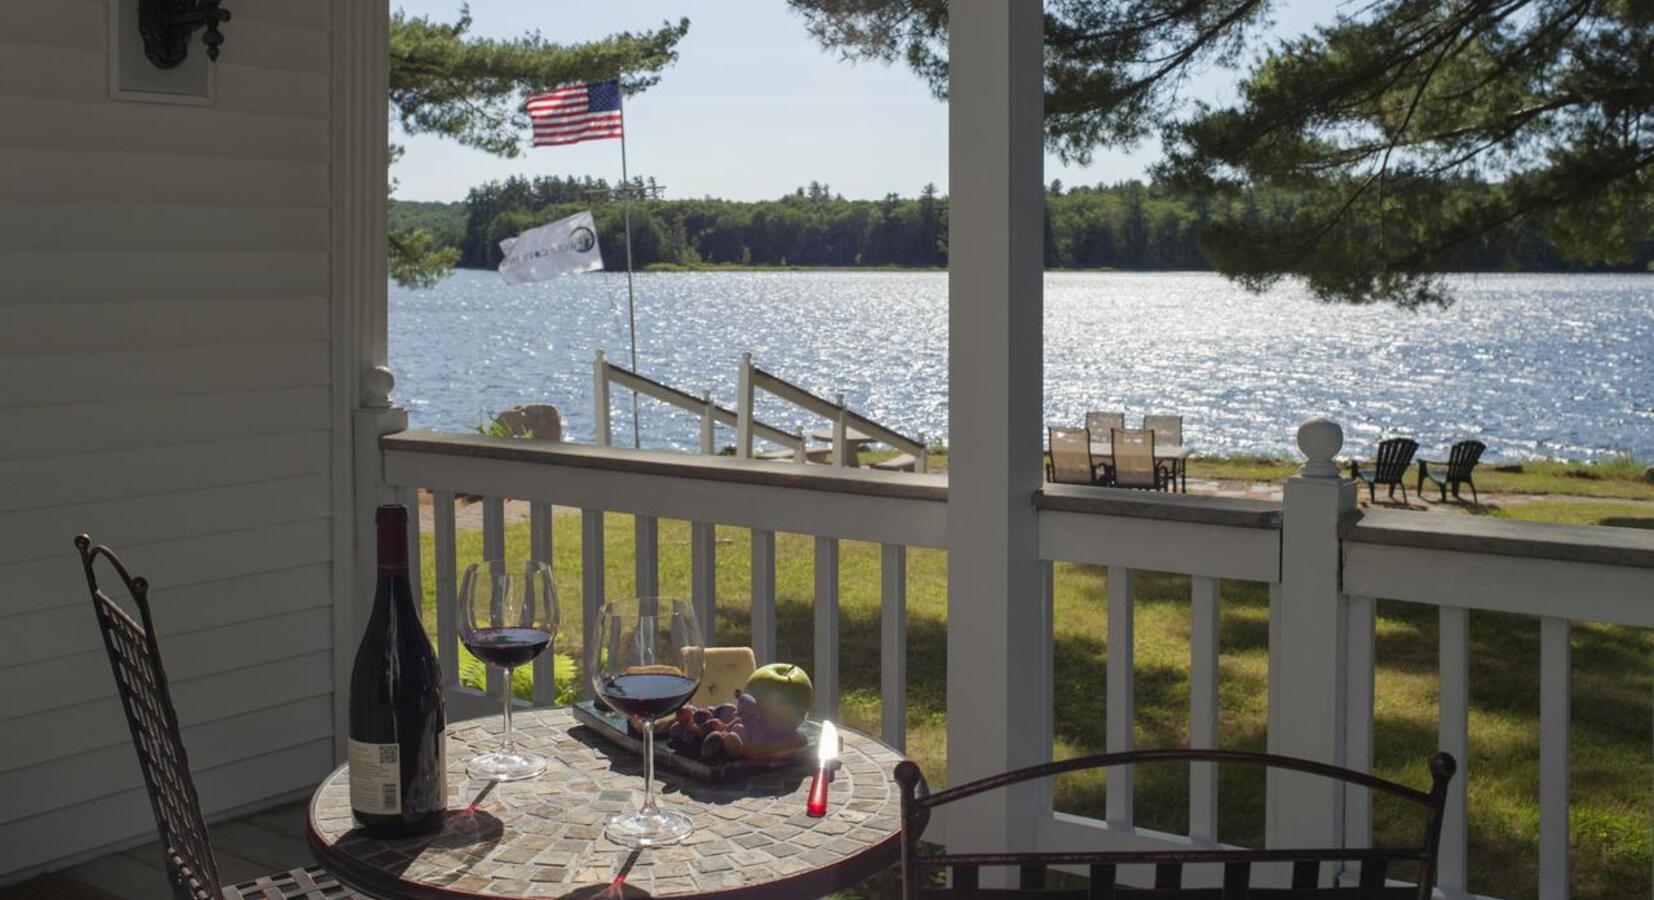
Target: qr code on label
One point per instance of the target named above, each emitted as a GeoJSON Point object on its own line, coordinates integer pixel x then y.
{"type": "Point", "coordinates": [387, 754]}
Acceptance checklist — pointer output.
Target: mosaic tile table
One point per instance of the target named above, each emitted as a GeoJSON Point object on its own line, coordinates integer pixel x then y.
{"type": "Point", "coordinates": [544, 838]}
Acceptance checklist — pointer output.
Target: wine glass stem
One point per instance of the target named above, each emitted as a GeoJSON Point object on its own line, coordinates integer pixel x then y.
{"type": "Point", "coordinates": [508, 744]}
{"type": "Point", "coordinates": [648, 765]}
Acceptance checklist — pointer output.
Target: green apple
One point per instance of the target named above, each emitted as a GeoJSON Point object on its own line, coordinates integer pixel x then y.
{"type": "Point", "coordinates": [784, 695]}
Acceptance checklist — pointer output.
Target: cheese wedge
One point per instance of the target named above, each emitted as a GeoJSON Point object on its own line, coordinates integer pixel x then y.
{"type": "Point", "coordinates": [725, 672]}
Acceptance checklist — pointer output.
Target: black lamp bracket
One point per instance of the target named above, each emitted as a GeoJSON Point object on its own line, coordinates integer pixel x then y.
{"type": "Point", "coordinates": [168, 25]}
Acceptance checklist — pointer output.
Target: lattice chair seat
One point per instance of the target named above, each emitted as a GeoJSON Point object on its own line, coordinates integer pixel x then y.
{"type": "Point", "coordinates": [135, 658]}
{"type": "Point", "coordinates": [314, 883]}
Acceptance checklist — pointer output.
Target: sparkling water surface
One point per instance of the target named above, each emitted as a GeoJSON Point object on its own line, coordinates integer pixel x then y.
{"type": "Point", "coordinates": [1533, 365]}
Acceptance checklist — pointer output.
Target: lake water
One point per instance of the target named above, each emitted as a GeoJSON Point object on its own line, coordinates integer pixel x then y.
{"type": "Point", "coordinates": [1533, 365]}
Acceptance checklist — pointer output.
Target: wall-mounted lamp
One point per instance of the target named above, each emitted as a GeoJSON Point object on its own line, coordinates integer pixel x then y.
{"type": "Point", "coordinates": [168, 25]}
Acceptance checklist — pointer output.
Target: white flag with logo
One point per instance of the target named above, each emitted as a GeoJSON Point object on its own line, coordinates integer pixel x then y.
{"type": "Point", "coordinates": [556, 248]}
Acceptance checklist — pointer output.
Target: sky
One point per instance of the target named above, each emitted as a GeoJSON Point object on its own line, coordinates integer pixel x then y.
{"type": "Point", "coordinates": [753, 109]}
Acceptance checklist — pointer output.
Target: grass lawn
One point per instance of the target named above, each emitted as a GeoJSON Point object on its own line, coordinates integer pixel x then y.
{"type": "Point", "coordinates": [1611, 767]}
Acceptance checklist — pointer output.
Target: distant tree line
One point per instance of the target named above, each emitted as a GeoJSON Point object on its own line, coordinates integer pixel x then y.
{"type": "Point", "coordinates": [1129, 225]}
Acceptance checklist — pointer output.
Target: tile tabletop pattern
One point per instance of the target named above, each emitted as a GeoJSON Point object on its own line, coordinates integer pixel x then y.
{"type": "Point", "coordinates": [544, 837]}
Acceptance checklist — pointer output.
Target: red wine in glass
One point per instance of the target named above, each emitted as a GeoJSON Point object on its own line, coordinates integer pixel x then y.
{"type": "Point", "coordinates": [650, 695]}
{"type": "Point", "coordinates": [507, 648]}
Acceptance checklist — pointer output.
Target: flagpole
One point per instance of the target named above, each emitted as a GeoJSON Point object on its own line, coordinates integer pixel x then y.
{"type": "Point", "coordinates": [626, 212]}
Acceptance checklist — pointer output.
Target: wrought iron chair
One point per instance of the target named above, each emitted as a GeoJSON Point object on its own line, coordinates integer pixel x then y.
{"type": "Point", "coordinates": [1395, 457]}
{"type": "Point", "coordinates": [1102, 423]}
{"type": "Point", "coordinates": [1461, 462]}
{"type": "Point", "coordinates": [1134, 465]}
{"type": "Point", "coordinates": [135, 659]}
{"type": "Point", "coordinates": [1071, 461]}
{"type": "Point", "coordinates": [1168, 431]}
{"type": "Point", "coordinates": [917, 802]}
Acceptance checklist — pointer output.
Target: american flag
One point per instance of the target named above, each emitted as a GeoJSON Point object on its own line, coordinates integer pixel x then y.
{"type": "Point", "coordinates": [575, 113]}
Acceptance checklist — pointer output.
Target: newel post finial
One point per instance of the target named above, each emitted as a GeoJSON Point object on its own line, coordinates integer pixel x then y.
{"type": "Point", "coordinates": [377, 384]}
{"type": "Point", "coordinates": [1320, 440]}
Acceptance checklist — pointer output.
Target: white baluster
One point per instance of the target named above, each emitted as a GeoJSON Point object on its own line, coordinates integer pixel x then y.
{"type": "Point", "coordinates": [743, 409]}
{"type": "Point", "coordinates": [763, 596]}
{"type": "Point", "coordinates": [1455, 739]}
{"type": "Point", "coordinates": [409, 498]}
{"type": "Point", "coordinates": [1203, 706]}
{"type": "Point", "coordinates": [600, 403]}
{"type": "Point", "coordinates": [646, 555]}
{"type": "Point", "coordinates": [1121, 707]}
{"type": "Point", "coordinates": [841, 449]}
{"type": "Point", "coordinates": [893, 644]}
{"type": "Point", "coordinates": [703, 544]}
{"type": "Point", "coordinates": [444, 565]}
{"type": "Point", "coordinates": [1555, 665]}
{"type": "Point", "coordinates": [540, 543]}
{"type": "Point", "coordinates": [826, 628]}
{"type": "Point", "coordinates": [592, 588]}
{"type": "Point", "coordinates": [493, 548]}
{"type": "Point", "coordinates": [1358, 729]}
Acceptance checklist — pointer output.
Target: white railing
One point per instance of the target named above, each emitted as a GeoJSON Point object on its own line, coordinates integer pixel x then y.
{"type": "Point", "coordinates": [1323, 561]}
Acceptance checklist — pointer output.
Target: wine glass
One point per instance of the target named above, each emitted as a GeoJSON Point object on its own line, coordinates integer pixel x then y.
{"type": "Point", "coordinates": [641, 670]}
{"type": "Point", "coordinates": [507, 615]}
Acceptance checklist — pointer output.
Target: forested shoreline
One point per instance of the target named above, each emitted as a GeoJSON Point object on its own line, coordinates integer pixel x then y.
{"type": "Point", "coordinates": [1130, 226]}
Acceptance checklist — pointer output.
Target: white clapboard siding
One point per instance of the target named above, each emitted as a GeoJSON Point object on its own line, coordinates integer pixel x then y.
{"type": "Point", "coordinates": [77, 377]}
{"type": "Point", "coordinates": [121, 817]}
{"type": "Point", "coordinates": [80, 777]}
{"type": "Point", "coordinates": [88, 477]}
{"type": "Point", "coordinates": [56, 227]}
{"type": "Point", "coordinates": [160, 130]}
{"type": "Point", "coordinates": [178, 611]}
{"type": "Point", "coordinates": [124, 176]}
{"type": "Point", "coordinates": [91, 726]}
{"type": "Point", "coordinates": [113, 277]}
{"type": "Point", "coordinates": [49, 583]}
{"type": "Point", "coordinates": [58, 327]}
{"type": "Point", "coordinates": [82, 427]}
{"type": "Point", "coordinates": [166, 380]}
{"type": "Point", "coordinates": [82, 677]}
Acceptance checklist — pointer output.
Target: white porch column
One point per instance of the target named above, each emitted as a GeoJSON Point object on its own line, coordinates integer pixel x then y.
{"type": "Point", "coordinates": [996, 606]}
{"type": "Point", "coordinates": [361, 384]}
{"type": "Point", "coordinates": [1307, 643]}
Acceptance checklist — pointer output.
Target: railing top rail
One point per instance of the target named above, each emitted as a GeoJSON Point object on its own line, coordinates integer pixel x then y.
{"type": "Point", "coordinates": [1630, 547]}
{"type": "Point", "coordinates": [1165, 507]}
{"type": "Point", "coordinates": [668, 394]}
{"type": "Point", "coordinates": [899, 485]}
{"type": "Point", "coordinates": [798, 396]}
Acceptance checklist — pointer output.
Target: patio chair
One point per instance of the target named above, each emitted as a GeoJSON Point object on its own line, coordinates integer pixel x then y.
{"type": "Point", "coordinates": [1461, 462]}
{"type": "Point", "coordinates": [1395, 457]}
{"type": "Point", "coordinates": [1134, 465]}
{"type": "Point", "coordinates": [1102, 423]}
{"type": "Point", "coordinates": [1168, 431]}
{"type": "Point", "coordinates": [1307, 863]}
{"type": "Point", "coordinates": [135, 659]}
{"type": "Point", "coordinates": [1071, 461]}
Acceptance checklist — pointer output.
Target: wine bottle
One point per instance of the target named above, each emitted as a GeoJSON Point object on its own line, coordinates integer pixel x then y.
{"type": "Point", "coordinates": [398, 761]}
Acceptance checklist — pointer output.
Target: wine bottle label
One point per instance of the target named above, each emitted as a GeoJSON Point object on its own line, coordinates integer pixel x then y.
{"type": "Point", "coordinates": [376, 778]}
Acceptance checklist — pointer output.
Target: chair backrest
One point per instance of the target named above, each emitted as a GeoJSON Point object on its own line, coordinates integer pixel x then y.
{"type": "Point", "coordinates": [1101, 422]}
{"type": "Point", "coordinates": [1463, 458]}
{"type": "Point", "coordinates": [1307, 863]}
{"type": "Point", "coordinates": [1395, 456]}
{"type": "Point", "coordinates": [1071, 456]}
{"type": "Point", "coordinates": [142, 682]}
{"type": "Point", "coordinates": [1133, 457]}
{"type": "Point", "coordinates": [1168, 430]}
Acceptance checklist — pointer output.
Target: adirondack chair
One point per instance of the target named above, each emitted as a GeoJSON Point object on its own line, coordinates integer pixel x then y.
{"type": "Point", "coordinates": [1395, 457]}
{"type": "Point", "coordinates": [1461, 462]}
